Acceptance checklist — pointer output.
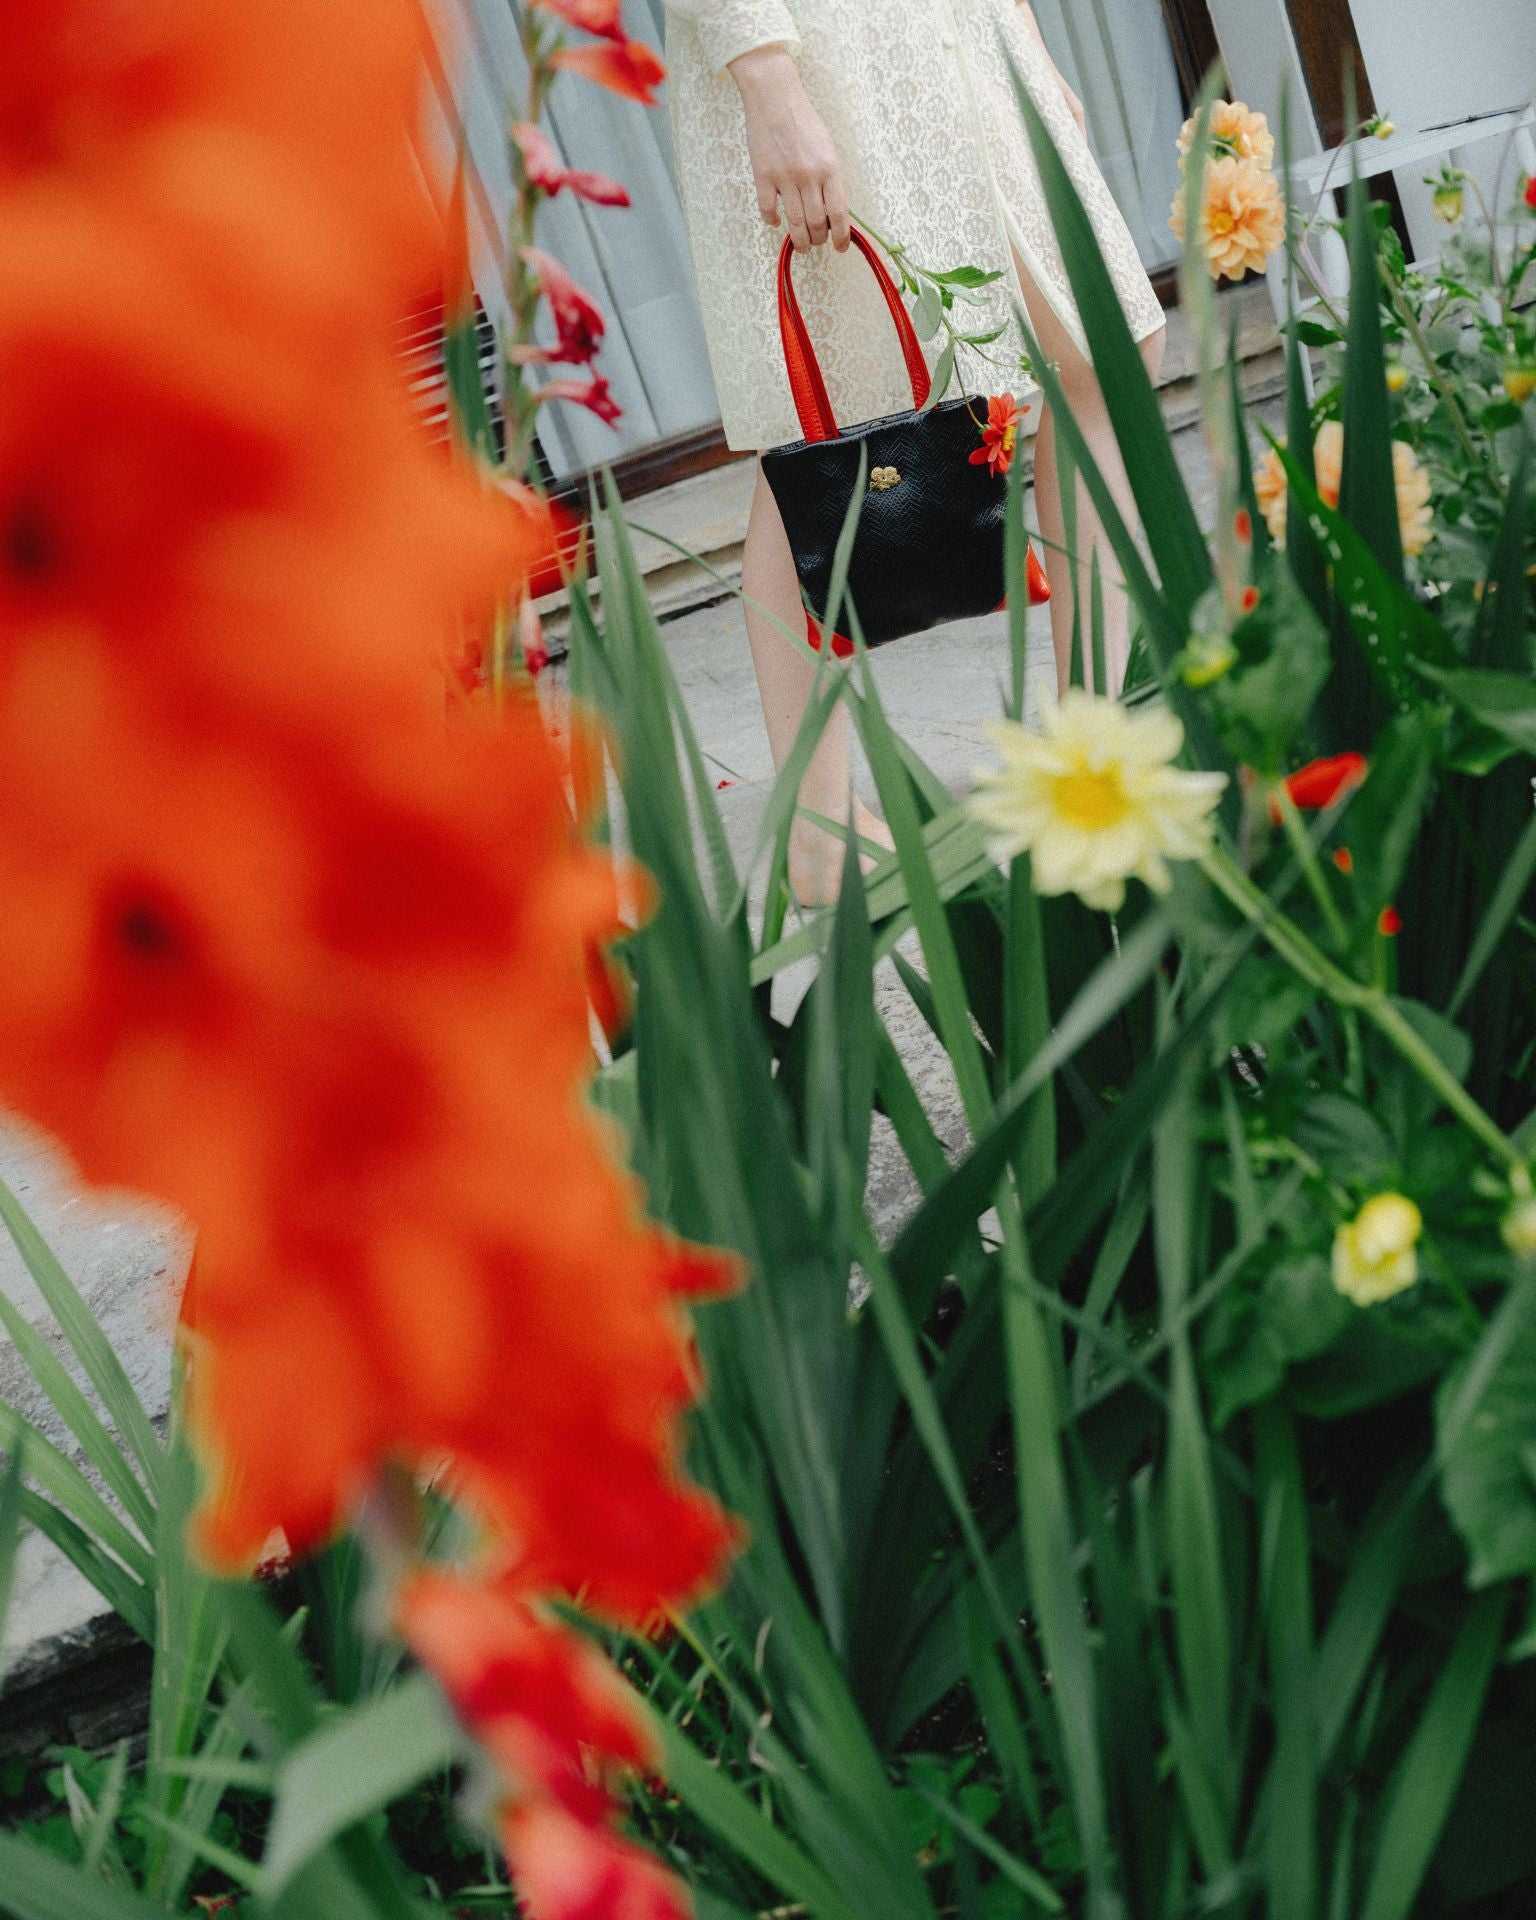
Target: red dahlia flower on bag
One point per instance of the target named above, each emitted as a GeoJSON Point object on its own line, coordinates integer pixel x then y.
{"type": "Point", "coordinates": [1000, 436]}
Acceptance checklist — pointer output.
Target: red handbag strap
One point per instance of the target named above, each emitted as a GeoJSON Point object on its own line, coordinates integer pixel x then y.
{"type": "Point", "coordinates": [817, 420]}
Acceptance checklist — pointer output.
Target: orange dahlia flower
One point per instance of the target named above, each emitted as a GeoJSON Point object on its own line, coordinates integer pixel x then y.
{"type": "Point", "coordinates": [1242, 223]}
{"type": "Point", "coordinates": [1236, 132]}
{"type": "Point", "coordinates": [1415, 509]}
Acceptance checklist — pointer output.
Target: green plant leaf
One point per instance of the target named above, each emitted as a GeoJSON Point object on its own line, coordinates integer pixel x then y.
{"type": "Point", "coordinates": [63, 1483]}
{"type": "Point", "coordinates": [1173, 531]}
{"type": "Point", "coordinates": [10, 1532]}
{"type": "Point", "coordinates": [39, 1885]}
{"type": "Point", "coordinates": [94, 1351]}
{"type": "Point", "coordinates": [1424, 1785]}
{"type": "Point", "coordinates": [1486, 1431]}
{"type": "Point", "coordinates": [737, 1820]}
{"type": "Point", "coordinates": [1504, 703]}
{"type": "Point", "coordinates": [356, 1766]}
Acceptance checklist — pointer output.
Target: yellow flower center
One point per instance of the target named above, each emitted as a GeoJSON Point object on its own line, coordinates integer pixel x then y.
{"type": "Point", "coordinates": [1092, 799]}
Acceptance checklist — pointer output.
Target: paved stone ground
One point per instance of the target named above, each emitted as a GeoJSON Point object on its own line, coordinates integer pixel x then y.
{"type": "Point", "coordinates": [939, 690]}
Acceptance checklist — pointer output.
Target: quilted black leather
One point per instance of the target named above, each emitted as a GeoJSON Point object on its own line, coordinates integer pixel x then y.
{"type": "Point", "coordinates": [928, 548]}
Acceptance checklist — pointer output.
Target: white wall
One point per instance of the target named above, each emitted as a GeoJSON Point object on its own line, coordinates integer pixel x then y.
{"type": "Point", "coordinates": [1260, 52]}
{"type": "Point", "coordinates": [1430, 60]}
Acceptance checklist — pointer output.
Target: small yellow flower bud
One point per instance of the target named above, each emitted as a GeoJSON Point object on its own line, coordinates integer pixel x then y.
{"type": "Point", "coordinates": [1450, 204]}
{"type": "Point", "coordinates": [1375, 1255]}
{"type": "Point", "coordinates": [1520, 380]}
{"type": "Point", "coordinates": [1397, 376]}
{"type": "Point", "coordinates": [1206, 659]}
{"type": "Point", "coordinates": [1519, 1228]}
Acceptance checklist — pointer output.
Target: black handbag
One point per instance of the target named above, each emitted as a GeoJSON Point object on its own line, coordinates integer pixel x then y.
{"type": "Point", "coordinates": [929, 543]}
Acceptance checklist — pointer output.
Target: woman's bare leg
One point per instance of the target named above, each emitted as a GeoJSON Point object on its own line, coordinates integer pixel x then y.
{"type": "Point", "coordinates": [785, 676]}
{"type": "Point", "coordinates": [1071, 585]}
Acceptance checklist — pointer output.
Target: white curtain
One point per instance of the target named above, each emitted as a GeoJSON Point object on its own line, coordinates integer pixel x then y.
{"type": "Point", "coordinates": [634, 261]}
{"type": "Point", "coordinates": [1117, 55]}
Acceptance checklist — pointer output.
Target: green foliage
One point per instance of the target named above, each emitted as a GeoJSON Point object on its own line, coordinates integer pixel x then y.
{"type": "Point", "coordinates": [1100, 1555]}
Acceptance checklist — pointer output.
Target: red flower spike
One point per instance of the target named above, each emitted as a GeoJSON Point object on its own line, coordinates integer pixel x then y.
{"type": "Point", "coordinates": [578, 319]}
{"type": "Point", "coordinates": [542, 165]}
{"type": "Point", "coordinates": [1242, 526]}
{"type": "Point", "coordinates": [1530, 193]}
{"type": "Point", "coordinates": [595, 395]}
{"type": "Point", "coordinates": [630, 68]}
{"type": "Point", "coordinates": [592, 16]}
{"type": "Point", "coordinates": [1000, 436]}
{"type": "Point", "coordinates": [1390, 925]}
{"type": "Point", "coordinates": [1344, 860]}
{"type": "Point", "coordinates": [1250, 599]}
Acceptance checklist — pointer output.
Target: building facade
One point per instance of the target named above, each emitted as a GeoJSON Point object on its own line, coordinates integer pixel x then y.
{"type": "Point", "coordinates": [1136, 65]}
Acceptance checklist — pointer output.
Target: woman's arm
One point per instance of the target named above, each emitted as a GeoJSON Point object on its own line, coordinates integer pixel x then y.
{"type": "Point", "coordinates": [729, 28]}
{"type": "Point", "coordinates": [794, 162]}
{"type": "Point", "coordinates": [1072, 100]}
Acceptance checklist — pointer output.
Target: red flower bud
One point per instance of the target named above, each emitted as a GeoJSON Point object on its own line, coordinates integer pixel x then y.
{"type": "Point", "coordinates": [1390, 924]}
{"type": "Point", "coordinates": [1324, 783]}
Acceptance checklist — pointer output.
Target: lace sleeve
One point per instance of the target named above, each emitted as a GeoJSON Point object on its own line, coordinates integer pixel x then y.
{"type": "Point", "coordinates": [727, 28]}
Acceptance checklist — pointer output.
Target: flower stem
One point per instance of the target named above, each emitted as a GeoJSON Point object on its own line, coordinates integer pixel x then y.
{"type": "Point", "coordinates": [1371, 1002]}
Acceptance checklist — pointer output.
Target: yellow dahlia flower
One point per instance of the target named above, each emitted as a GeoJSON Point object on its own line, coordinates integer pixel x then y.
{"type": "Point", "coordinates": [1376, 1254]}
{"type": "Point", "coordinates": [1236, 131]}
{"type": "Point", "coordinates": [1095, 799]}
{"type": "Point", "coordinates": [1415, 515]}
{"type": "Point", "coordinates": [1242, 224]}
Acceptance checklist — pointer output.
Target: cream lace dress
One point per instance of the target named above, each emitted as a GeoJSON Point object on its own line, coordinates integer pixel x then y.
{"type": "Point", "coordinates": [918, 99]}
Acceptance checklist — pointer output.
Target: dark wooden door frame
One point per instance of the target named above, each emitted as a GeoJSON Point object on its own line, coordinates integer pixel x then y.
{"type": "Point", "coordinates": [1337, 81]}
{"type": "Point", "coordinates": [1195, 47]}
{"type": "Point", "coordinates": [1330, 53]}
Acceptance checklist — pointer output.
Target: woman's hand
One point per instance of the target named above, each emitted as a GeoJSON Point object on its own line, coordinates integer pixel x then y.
{"type": "Point", "coordinates": [794, 163]}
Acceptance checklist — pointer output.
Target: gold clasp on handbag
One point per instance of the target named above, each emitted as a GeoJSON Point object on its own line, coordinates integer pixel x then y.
{"type": "Point", "coordinates": [884, 478]}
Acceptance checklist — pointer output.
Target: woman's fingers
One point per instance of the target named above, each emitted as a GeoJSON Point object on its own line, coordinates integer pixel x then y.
{"type": "Point", "coordinates": [813, 199]}
{"type": "Point", "coordinates": [836, 201]}
{"type": "Point", "coordinates": [795, 216]}
{"type": "Point", "coordinates": [815, 209]}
